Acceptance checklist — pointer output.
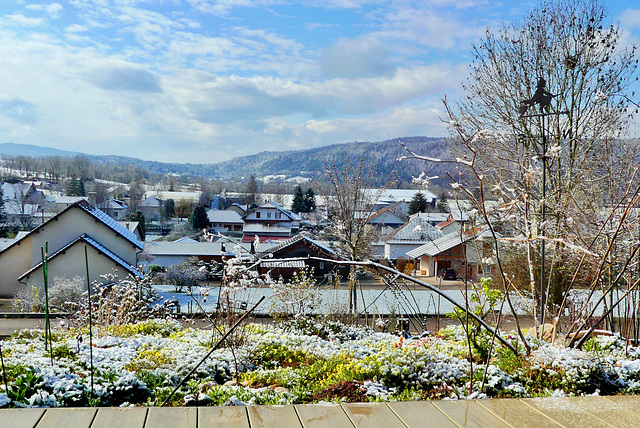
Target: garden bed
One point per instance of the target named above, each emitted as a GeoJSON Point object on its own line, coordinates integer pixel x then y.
{"type": "Point", "coordinates": [295, 362]}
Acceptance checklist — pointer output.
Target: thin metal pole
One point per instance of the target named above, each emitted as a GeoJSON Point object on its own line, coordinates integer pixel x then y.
{"type": "Point", "coordinates": [86, 262]}
{"type": "Point", "coordinates": [543, 294]}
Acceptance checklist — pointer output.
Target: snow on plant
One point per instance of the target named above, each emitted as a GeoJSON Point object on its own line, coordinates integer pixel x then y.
{"type": "Point", "coordinates": [297, 297]}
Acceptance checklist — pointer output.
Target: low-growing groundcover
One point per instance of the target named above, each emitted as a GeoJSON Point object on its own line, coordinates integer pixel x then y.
{"type": "Point", "coordinates": [295, 362]}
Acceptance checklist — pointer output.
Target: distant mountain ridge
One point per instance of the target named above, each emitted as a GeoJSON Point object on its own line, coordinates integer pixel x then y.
{"type": "Point", "coordinates": [382, 156]}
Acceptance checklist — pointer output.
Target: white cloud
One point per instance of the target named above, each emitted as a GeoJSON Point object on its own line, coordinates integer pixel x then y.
{"type": "Point", "coordinates": [630, 19]}
{"type": "Point", "coordinates": [20, 19]}
{"type": "Point", "coordinates": [52, 9]}
{"type": "Point", "coordinates": [76, 28]}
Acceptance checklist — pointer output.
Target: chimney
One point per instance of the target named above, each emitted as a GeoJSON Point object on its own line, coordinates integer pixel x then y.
{"type": "Point", "coordinates": [92, 198]}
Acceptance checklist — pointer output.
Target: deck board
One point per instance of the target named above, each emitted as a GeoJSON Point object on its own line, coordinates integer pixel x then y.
{"type": "Point", "coordinates": [417, 413]}
{"type": "Point", "coordinates": [373, 415]}
{"type": "Point", "coordinates": [76, 418]}
{"type": "Point", "coordinates": [20, 418]}
{"type": "Point", "coordinates": [322, 416]}
{"type": "Point", "coordinates": [468, 413]}
{"type": "Point", "coordinates": [273, 416]}
{"type": "Point", "coordinates": [172, 417]}
{"type": "Point", "coordinates": [223, 416]}
{"type": "Point", "coordinates": [605, 408]}
{"type": "Point", "coordinates": [116, 417]}
{"type": "Point", "coordinates": [517, 414]}
{"type": "Point", "coordinates": [568, 411]}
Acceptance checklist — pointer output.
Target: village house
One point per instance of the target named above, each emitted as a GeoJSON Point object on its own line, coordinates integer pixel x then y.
{"type": "Point", "coordinates": [411, 235]}
{"type": "Point", "coordinates": [114, 208]}
{"type": "Point", "coordinates": [460, 251]}
{"type": "Point", "coordinates": [269, 222]}
{"type": "Point", "coordinates": [224, 221]}
{"type": "Point", "coordinates": [152, 208]}
{"type": "Point", "coordinates": [110, 249]}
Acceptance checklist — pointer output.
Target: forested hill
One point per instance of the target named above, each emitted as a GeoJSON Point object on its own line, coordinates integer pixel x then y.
{"type": "Point", "coordinates": [307, 163]}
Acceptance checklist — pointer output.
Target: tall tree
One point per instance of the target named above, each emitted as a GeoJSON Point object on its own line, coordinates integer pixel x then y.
{"type": "Point", "coordinates": [418, 204]}
{"type": "Point", "coordinates": [199, 218]}
{"type": "Point", "coordinates": [309, 200]}
{"type": "Point", "coordinates": [298, 205]}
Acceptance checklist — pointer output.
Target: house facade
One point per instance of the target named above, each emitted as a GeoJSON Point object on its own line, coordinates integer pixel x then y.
{"type": "Point", "coordinates": [110, 249]}
{"type": "Point", "coordinates": [411, 235]}
{"type": "Point", "coordinates": [225, 221]}
{"type": "Point", "coordinates": [269, 222]}
{"type": "Point", "coordinates": [114, 208]}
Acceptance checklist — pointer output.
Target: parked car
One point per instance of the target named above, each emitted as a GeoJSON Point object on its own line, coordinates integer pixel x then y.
{"type": "Point", "coordinates": [448, 273]}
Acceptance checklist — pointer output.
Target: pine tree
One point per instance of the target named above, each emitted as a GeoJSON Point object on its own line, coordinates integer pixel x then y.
{"type": "Point", "coordinates": [199, 219]}
{"type": "Point", "coordinates": [309, 200]}
{"type": "Point", "coordinates": [418, 204]}
{"type": "Point", "coordinates": [250, 190]}
{"type": "Point", "coordinates": [298, 204]}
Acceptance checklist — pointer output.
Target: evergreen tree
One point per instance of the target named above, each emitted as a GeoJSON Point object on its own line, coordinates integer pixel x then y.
{"type": "Point", "coordinates": [199, 219]}
{"type": "Point", "coordinates": [298, 204]}
{"type": "Point", "coordinates": [418, 204]}
{"type": "Point", "coordinates": [75, 187]}
{"type": "Point", "coordinates": [443, 203]}
{"type": "Point", "coordinates": [309, 201]}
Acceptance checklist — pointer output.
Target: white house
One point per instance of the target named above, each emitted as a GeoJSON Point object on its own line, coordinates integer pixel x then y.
{"type": "Point", "coordinates": [225, 220]}
{"type": "Point", "coordinates": [269, 222]}
{"type": "Point", "coordinates": [411, 235]}
{"type": "Point", "coordinates": [110, 247]}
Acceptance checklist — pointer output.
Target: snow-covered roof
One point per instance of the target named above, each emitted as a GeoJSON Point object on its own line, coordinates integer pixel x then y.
{"type": "Point", "coordinates": [186, 239]}
{"type": "Point", "coordinates": [96, 245]}
{"type": "Point", "coordinates": [439, 245]}
{"type": "Point", "coordinates": [394, 195]}
{"type": "Point", "coordinates": [151, 201]}
{"type": "Point", "coordinates": [415, 230]}
{"type": "Point", "coordinates": [161, 248]}
{"type": "Point", "coordinates": [113, 204]}
{"type": "Point", "coordinates": [224, 216]}
{"type": "Point", "coordinates": [15, 190]}
{"type": "Point", "coordinates": [113, 224]}
{"type": "Point", "coordinates": [5, 242]}
{"type": "Point", "coordinates": [71, 199]}
{"type": "Point", "coordinates": [299, 237]}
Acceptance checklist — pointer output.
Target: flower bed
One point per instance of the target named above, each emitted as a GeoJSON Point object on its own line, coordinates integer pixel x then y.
{"type": "Point", "coordinates": [295, 362]}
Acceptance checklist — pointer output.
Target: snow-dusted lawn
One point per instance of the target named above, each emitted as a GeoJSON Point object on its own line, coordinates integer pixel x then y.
{"type": "Point", "coordinates": [299, 362]}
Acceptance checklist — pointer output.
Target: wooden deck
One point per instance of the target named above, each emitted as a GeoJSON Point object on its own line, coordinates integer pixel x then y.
{"type": "Point", "coordinates": [531, 412]}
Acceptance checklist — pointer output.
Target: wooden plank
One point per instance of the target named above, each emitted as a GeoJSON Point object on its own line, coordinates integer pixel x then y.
{"type": "Point", "coordinates": [172, 417]}
{"type": "Point", "coordinates": [116, 417]}
{"type": "Point", "coordinates": [76, 418]}
{"type": "Point", "coordinates": [468, 413]}
{"type": "Point", "coordinates": [616, 413]}
{"type": "Point", "coordinates": [516, 413]}
{"type": "Point", "coordinates": [20, 418]}
{"type": "Point", "coordinates": [273, 416]}
{"type": "Point", "coordinates": [372, 415]}
{"type": "Point", "coordinates": [223, 417]}
{"type": "Point", "coordinates": [631, 401]}
{"type": "Point", "coordinates": [322, 416]}
{"type": "Point", "coordinates": [567, 411]}
{"type": "Point", "coordinates": [419, 413]}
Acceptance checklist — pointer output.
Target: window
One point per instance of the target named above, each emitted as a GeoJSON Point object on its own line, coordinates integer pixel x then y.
{"type": "Point", "coordinates": [278, 215]}
{"type": "Point", "coordinates": [257, 214]}
{"type": "Point", "coordinates": [268, 215]}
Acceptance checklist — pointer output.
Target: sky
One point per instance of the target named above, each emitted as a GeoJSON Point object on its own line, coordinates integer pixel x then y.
{"type": "Point", "coordinates": [203, 81]}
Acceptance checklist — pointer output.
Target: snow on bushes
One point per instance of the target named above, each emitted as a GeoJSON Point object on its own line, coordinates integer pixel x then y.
{"type": "Point", "coordinates": [298, 361]}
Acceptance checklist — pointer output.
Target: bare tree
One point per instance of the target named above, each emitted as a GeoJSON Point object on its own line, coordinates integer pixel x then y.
{"type": "Point", "coordinates": [548, 167]}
